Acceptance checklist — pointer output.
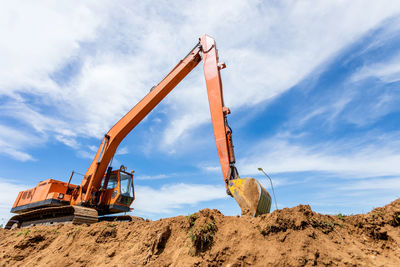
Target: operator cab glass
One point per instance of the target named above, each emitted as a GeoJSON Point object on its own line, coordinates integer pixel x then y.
{"type": "Point", "coordinates": [113, 181]}
{"type": "Point", "coordinates": [126, 185]}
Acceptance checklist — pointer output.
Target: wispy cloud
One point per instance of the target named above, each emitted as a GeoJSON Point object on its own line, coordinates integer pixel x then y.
{"type": "Point", "coordinates": [8, 193]}
{"type": "Point", "coordinates": [346, 158]}
{"type": "Point", "coordinates": [152, 177]}
{"type": "Point", "coordinates": [211, 168]}
{"type": "Point", "coordinates": [380, 183]}
{"type": "Point", "coordinates": [388, 71]}
{"type": "Point", "coordinates": [85, 154]}
{"type": "Point", "coordinates": [335, 195]}
{"type": "Point", "coordinates": [122, 151]}
{"type": "Point", "coordinates": [276, 182]}
{"type": "Point", "coordinates": [14, 142]}
{"type": "Point", "coordinates": [40, 38]}
{"type": "Point", "coordinates": [171, 197]}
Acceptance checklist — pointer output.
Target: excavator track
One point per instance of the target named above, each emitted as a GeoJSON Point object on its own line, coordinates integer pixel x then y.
{"type": "Point", "coordinates": [54, 215]}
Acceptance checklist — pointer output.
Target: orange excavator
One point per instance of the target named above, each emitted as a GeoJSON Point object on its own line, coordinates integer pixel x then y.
{"type": "Point", "coordinates": [104, 191]}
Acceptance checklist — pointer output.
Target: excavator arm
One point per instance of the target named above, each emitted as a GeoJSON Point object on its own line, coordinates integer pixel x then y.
{"type": "Point", "coordinates": [222, 131]}
{"type": "Point", "coordinates": [205, 50]}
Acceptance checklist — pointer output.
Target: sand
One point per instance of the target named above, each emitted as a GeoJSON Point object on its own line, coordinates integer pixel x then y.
{"type": "Point", "coordinates": [289, 237]}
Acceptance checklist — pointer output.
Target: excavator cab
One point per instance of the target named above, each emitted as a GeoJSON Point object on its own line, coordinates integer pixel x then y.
{"type": "Point", "coordinates": [118, 192]}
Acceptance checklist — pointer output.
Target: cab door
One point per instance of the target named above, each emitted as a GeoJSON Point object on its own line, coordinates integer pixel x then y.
{"type": "Point", "coordinates": [112, 189]}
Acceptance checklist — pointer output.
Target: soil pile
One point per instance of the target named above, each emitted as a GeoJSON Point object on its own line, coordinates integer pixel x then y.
{"type": "Point", "coordinates": [288, 237]}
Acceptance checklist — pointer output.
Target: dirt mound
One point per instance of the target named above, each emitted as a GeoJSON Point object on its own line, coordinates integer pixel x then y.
{"type": "Point", "coordinates": [288, 237]}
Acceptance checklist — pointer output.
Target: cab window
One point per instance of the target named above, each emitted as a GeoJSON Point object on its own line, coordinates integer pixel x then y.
{"type": "Point", "coordinates": [112, 182]}
{"type": "Point", "coordinates": [126, 185]}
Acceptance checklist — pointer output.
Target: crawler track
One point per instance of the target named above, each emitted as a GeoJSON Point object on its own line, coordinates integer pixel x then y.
{"type": "Point", "coordinates": [53, 215]}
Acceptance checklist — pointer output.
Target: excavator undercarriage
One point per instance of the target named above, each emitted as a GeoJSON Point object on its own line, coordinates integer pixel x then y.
{"type": "Point", "coordinates": [66, 214]}
{"type": "Point", "coordinates": [53, 215]}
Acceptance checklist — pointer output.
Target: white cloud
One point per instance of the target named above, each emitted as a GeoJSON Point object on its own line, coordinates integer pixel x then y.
{"type": "Point", "coordinates": [335, 195]}
{"type": "Point", "coordinates": [174, 196]}
{"type": "Point", "coordinates": [8, 194]}
{"type": "Point", "coordinates": [85, 154]}
{"type": "Point", "coordinates": [211, 168]}
{"type": "Point", "coordinates": [152, 177]}
{"type": "Point", "coordinates": [16, 154]}
{"type": "Point", "coordinates": [38, 128]}
{"type": "Point", "coordinates": [105, 89]}
{"type": "Point", "coordinates": [40, 123]}
{"type": "Point", "coordinates": [388, 71]}
{"type": "Point", "coordinates": [71, 142]}
{"type": "Point", "coordinates": [346, 158]}
{"type": "Point", "coordinates": [93, 148]}
{"type": "Point", "coordinates": [13, 143]}
{"type": "Point", "coordinates": [276, 182]}
{"type": "Point", "coordinates": [122, 151]}
{"type": "Point", "coordinates": [378, 184]}
{"type": "Point", "coordinates": [39, 38]}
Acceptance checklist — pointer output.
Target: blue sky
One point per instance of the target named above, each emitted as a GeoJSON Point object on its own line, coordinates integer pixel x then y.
{"type": "Point", "coordinates": [313, 88]}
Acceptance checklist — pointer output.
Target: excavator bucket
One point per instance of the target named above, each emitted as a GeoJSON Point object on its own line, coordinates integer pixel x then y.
{"type": "Point", "coordinates": [251, 196]}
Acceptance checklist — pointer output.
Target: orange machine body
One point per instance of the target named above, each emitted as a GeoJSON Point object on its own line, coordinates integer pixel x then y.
{"type": "Point", "coordinates": [117, 195]}
{"type": "Point", "coordinates": [47, 193]}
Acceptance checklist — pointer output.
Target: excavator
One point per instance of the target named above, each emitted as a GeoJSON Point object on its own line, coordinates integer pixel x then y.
{"type": "Point", "coordinates": [104, 191]}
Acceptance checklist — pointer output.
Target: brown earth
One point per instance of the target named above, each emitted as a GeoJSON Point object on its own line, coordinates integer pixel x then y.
{"type": "Point", "coordinates": [288, 237]}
